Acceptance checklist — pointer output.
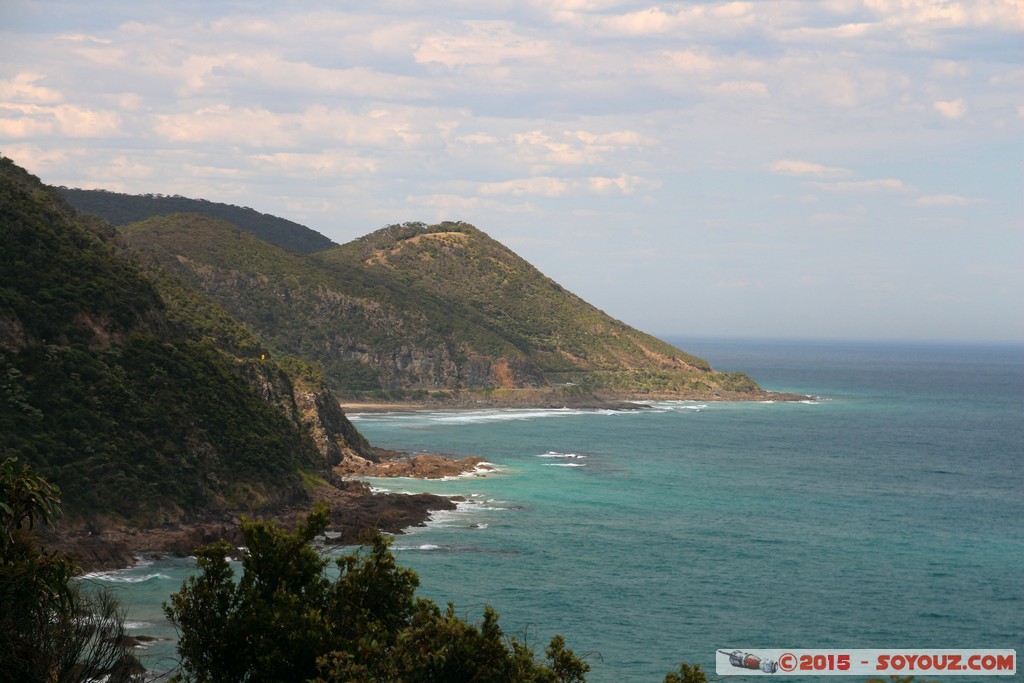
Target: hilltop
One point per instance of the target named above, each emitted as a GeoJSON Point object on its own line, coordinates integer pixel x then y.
{"type": "Point", "coordinates": [428, 312]}
{"type": "Point", "coordinates": [121, 209]}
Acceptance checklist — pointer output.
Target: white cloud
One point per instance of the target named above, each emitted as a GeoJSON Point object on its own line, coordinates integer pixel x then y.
{"type": "Point", "coordinates": [80, 122]}
{"type": "Point", "coordinates": [553, 187]}
{"type": "Point", "coordinates": [624, 183]}
{"type": "Point", "coordinates": [543, 187]}
{"type": "Point", "coordinates": [16, 125]}
{"type": "Point", "coordinates": [29, 120]}
{"type": "Point", "coordinates": [1003, 15]}
{"type": "Point", "coordinates": [226, 125]}
{"type": "Point", "coordinates": [881, 185]}
{"type": "Point", "coordinates": [571, 147]}
{"type": "Point", "coordinates": [480, 42]}
{"type": "Point", "coordinates": [718, 18]}
{"type": "Point", "coordinates": [805, 168]}
{"type": "Point", "coordinates": [948, 68]}
{"type": "Point", "coordinates": [22, 88]}
{"type": "Point", "coordinates": [740, 88]}
{"type": "Point", "coordinates": [328, 163]}
{"type": "Point", "coordinates": [944, 200]}
{"type": "Point", "coordinates": [951, 109]}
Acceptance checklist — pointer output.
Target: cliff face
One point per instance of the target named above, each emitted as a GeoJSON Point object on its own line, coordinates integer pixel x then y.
{"type": "Point", "coordinates": [312, 408]}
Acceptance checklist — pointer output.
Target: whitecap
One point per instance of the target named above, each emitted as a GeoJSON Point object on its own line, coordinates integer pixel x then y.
{"type": "Point", "coordinates": [118, 577]}
{"type": "Point", "coordinates": [564, 464]}
{"type": "Point", "coordinates": [556, 454]}
{"type": "Point", "coordinates": [462, 417]}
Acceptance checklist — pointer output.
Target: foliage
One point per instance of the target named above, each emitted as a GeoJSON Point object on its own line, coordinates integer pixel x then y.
{"type": "Point", "coordinates": [688, 673]}
{"type": "Point", "coordinates": [51, 629]}
{"type": "Point", "coordinates": [133, 392]}
{"type": "Point", "coordinates": [121, 209]}
{"type": "Point", "coordinates": [59, 271]}
{"type": "Point", "coordinates": [144, 428]}
{"type": "Point", "coordinates": [284, 619]}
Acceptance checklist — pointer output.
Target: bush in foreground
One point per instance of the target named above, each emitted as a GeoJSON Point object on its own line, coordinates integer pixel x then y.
{"type": "Point", "coordinates": [284, 619]}
{"type": "Point", "coordinates": [51, 629]}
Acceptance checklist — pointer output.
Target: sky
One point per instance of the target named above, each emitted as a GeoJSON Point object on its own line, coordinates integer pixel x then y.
{"type": "Point", "coordinates": [779, 168]}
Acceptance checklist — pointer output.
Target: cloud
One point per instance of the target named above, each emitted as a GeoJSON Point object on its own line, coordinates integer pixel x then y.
{"type": "Point", "coordinates": [624, 183]}
{"type": "Point", "coordinates": [1005, 15]}
{"type": "Point", "coordinates": [542, 186]}
{"type": "Point", "coordinates": [23, 88]}
{"type": "Point", "coordinates": [226, 125]}
{"type": "Point", "coordinates": [945, 200]}
{"type": "Point", "coordinates": [328, 163]}
{"type": "Point", "coordinates": [27, 121]}
{"type": "Point", "coordinates": [796, 167]}
{"type": "Point", "coordinates": [479, 43]}
{"type": "Point", "coordinates": [573, 147]}
{"type": "Point", "coordinates": [553, 187]}
{"type": "Point", "coordinates": [741, 88]}
{"type": "Point", "coordinates": [951, 109]}
{"type": "Point", "coordinates": [734, 283]}
{"type": "Point", "coordinates": [881, 185]}
{"type": "Point", "coordinates": [727, 17]}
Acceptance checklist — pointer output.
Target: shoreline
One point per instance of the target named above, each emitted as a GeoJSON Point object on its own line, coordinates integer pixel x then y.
{"type": "Point", "coordinates": [528, 401]}
{"type": "Point", "coordinates": [355, 510]}
{"type": "Point", "coordinates": [356, 513]}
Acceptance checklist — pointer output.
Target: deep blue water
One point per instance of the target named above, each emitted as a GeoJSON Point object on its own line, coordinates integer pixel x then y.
{"type": "Point", "coordinates": [886, 512]}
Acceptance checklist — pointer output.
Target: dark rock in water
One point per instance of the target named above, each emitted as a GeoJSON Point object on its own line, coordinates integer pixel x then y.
{"type": "Point", "coordinates": [356, 513]}
{"type": "Point", "coordinates": [136, 641]}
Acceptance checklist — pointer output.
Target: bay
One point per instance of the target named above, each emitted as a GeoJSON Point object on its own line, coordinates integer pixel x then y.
{"type": "Point", "coordinates": [886, 511]}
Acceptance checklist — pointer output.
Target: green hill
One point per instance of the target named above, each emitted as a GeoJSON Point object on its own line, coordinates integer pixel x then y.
{"type": "Point", "coordinates": [415, 310]}
{"type": "Point", "coordinates": [121, 209]}
{"type": "Point", "coordinates": [140, 398]}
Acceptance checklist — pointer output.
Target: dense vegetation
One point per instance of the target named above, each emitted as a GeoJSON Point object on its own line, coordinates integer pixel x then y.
{"type": "Point", "coordinates": [423, 308]}
{"type": "Point", "coordinates": [121, 209]}
{"type": "Point", "coordinates": [284, 619]}
{"type": "Point", "coordinates": [138, 397]}
{"type": "Point", "coordinates": [51, 628]}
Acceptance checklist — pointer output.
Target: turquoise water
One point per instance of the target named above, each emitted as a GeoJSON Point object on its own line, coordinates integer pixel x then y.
{"type": "Point", "coordinates": [885, 512]}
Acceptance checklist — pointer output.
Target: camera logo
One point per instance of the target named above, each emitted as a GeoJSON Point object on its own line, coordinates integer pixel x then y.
{"type": "Point", "coordinates": [746, 660]}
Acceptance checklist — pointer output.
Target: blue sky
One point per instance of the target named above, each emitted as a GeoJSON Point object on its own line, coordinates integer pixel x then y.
{"type": "Point", "coordinates": [777, 168]}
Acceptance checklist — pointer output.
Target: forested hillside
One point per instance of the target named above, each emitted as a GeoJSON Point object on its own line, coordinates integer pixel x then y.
{"type": "Point", "coordinates": [120, 209]}
{"type": "Point", "coordinates": [141, 399]}
{"type": "Point", "coordinates": [415, 310]}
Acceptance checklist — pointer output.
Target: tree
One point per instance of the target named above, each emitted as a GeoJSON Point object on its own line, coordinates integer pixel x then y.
{"type": "Point", "coordinates": [285, 620]}
{"type": "Point", "coordinates": [51, 629]}
{"type": "Point", "coordinates": [687, 674]}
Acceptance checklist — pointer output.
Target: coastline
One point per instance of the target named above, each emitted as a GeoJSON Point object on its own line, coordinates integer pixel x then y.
{"type": "Point", "coordinates": [528, 399]}
{"type": "Point", "coordinates": [356, 512]}
{"type": "Point", "coordinates": [355, 509]}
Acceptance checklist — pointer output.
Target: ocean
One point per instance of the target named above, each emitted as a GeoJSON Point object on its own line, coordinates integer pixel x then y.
{"type": "Point", "coordinates": [885, 511]}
